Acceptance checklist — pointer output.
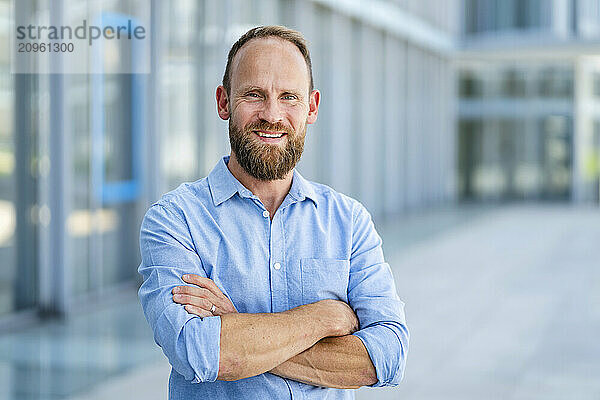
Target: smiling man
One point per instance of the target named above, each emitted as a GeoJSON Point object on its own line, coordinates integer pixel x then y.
{"type": "Point", "coordinates": [258, 283]}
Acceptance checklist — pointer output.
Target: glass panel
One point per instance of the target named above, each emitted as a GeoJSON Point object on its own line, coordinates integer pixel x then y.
{"type": "Point", "coordinates": [508, 133]}
{"type": "Point", "coordinates": [556, 134]}
{"type": "Point", "coordinates": [103, 113]}
{"type": "Point", "coordinates": [115, 219]}
{"type": "Point", "coordinates": [79, 222]}
{"type": "Point", "coordinates": [469, 156]}
{"type": "Point", "coordinates": [497, 15]}
{"type": "Point", "coordinates": [595, 161]}
{"type": "Point", "coordinates": [555, 82]}
{"type": "Point", "coordinates": [178, 83]}
{"type": "Point", "coordinates": [470, 85]}
{"type": "Point", "coordinates": [596, 84]}
{"type": "Point", "coordinates": [515, 158]}
{"type": "Point", "coordinates": [514, 83]}
{"type": "Point", "coordinates": [7, 168]}
{"type": "Point", "coordinates": [19, 166]}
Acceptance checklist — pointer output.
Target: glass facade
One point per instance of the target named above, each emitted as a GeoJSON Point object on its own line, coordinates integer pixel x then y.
{"type": "Point", "coordinates": [528, 99]}
{"type": "Point", "coordinates": [513, 158]}
{"type": "Point", "coordinates": [7, 170]}
{"type": "Point", "coordinates": [483, 16]}
{"type": "Point", "coordinates": [516, 131]}
{"type": "Point", "coordinates": [82, 156]}
{"type": "Point", "coordinates": [104, 122]}
{"type": "Point", "coordinates": [527, 18]}
{"type": "Point", "coordinates": [21, 164]}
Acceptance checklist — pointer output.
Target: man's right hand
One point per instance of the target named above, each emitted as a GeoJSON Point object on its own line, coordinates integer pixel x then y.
{"type": "Point", "coordinates": [205, 299]}
{"type": "Point", "coordinates": [337, 315]}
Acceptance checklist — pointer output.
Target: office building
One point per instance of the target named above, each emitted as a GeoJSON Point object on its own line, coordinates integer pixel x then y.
{"type": "Point", "coordinates": [82, 156]}
{"type": "Point", "coordinates": [529, 111]}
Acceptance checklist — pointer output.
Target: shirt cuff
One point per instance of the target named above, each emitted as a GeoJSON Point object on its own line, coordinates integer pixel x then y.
{"type": "Point", "coordinates": [386, 351]}
{"type": "Point", "coordinates": [203, 350]}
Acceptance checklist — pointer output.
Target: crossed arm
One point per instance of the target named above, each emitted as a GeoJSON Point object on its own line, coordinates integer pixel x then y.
{"type": "Point", "coordinates": [315, 343]}
{"type": "Point", "coordinates": [311, 343]}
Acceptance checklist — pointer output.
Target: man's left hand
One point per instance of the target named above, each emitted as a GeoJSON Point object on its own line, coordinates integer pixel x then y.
{"type": "Point", "coordinates": [205, 299]}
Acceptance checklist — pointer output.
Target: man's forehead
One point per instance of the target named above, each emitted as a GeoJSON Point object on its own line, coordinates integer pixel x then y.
{"type": "Point", "coordinates": [268, 54]}
{"type": "Point", "coordinates": [256, 46]}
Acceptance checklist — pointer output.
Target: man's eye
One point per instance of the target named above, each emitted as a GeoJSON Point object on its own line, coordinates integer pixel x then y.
{"type": "Point", "coordinates": [289, 97]}
{"type": "Point", "coordinates": [253, 95]}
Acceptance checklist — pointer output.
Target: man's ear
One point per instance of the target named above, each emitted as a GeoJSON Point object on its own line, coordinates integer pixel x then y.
{"type": "Point", "coordinates": [222, 103]}
{"type": "Point", "coordinates": [313, 106]}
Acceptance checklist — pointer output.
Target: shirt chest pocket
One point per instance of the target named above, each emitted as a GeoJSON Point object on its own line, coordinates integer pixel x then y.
{"type": "Point", "coordinates": [324, 278]}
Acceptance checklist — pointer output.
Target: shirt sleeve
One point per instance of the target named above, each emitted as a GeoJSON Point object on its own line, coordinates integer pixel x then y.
{"type": "Point", "coordinates": [191, 344]}
{"type": "Point", "coordinates": [372, 295]}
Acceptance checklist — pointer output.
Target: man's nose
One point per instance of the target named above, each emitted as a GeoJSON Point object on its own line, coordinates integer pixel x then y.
{"type": "Point", "coordinates": [271, 111]}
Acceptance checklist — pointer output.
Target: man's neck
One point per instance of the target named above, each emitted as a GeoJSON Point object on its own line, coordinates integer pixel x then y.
{"type": "Point", "coordinates": [270, 193]}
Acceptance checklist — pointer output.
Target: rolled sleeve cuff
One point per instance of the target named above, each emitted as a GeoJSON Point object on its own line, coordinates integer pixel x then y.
{"type": "Point", "coordinates": [202, 348]}
{"type": "Point", "coordinates": [387, 352]}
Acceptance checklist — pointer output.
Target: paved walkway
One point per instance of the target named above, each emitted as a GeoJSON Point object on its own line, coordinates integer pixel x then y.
{"type": "Point", "coordinates": [506, 306]}
{"type": "Point", "coordinates": [501, 304]}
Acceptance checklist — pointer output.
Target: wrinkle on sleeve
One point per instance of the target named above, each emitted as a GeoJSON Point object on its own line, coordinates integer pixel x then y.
{"type": "Point", "coordinates": [372, 295]}
{"type": "Point", "coordinates": [191, 344]}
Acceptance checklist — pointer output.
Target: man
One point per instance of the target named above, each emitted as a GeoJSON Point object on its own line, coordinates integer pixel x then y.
{"type": "Point", "coordinates": [258, 283]}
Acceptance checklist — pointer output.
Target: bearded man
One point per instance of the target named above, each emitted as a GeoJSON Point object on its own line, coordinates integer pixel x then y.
{"type": "Point", "coordinates": [258, 283]}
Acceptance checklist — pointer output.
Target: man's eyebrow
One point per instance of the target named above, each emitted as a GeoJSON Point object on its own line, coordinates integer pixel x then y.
{"type": "Point", "coordinates": [294, 92]}
{"type": "Point", "coordinates": [250, 88]}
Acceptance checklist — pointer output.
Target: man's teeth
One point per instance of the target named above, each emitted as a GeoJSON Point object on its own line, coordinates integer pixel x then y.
{"type": "Point", "coordinates": [270, 135]}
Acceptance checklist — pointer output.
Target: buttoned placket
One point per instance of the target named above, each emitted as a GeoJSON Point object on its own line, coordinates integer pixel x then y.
{"type": "Point", "coordinates": [277, 267]}
{"type": "Point", "coordinates": [277, 273]}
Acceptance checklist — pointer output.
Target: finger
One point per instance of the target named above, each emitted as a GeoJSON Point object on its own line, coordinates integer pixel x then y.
{"type": "Point", "coordinates": [220, 310]}
{"type": "Point", "coordinates": [205, 301]}
{"type": "Point", "coordinates": [198, 311]}
{"type": "Point", "coordinates": [221, 301]}
{"type": "Point", "coordinates": [203, 282]}
{"type": "Point", "coordinates": [192, 300]}
{"type": "Point", "coordinates": [200, 296]}
{"type": "Point", "coordinates": [213, 293]}
{"type": "Point", "coordinates": [193, 291]}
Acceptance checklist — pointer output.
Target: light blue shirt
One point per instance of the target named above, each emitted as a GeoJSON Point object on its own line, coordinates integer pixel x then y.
{"type": "Point", "coordinates": [320, 245]}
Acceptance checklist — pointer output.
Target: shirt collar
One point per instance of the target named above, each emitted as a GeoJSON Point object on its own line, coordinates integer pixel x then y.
{"type": "Point", "coordinates": [302, 189]}
{"type": "Point", "coordinates": [223, 185]}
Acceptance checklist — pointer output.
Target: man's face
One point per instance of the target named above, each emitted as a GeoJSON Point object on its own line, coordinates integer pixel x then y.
{"type": "Point", "coordinates": [269, 106]}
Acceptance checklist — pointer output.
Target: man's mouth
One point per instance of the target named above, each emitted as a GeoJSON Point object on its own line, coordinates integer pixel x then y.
{"type": "Point", "coordinates": [269, 136]}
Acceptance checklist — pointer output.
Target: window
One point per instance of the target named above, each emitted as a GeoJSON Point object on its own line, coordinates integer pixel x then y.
{"type": "Point", "coordinates": [514, 83]}
{"type": "Point", "coordinates": [555, 82]}
{"type": "Point", "coordinates": [470, 85]}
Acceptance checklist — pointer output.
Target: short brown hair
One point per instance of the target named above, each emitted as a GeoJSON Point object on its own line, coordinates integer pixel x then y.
{"type": "Point", "coordinates": [278, 31]}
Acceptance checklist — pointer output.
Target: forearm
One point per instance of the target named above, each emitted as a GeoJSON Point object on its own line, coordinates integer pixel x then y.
{"type": "Point", "coordinates": [252, 344]}
{"type": "Point", "coordinates": [338, 362]}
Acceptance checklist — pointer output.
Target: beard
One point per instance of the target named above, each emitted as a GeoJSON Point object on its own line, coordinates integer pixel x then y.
{"type": "Point", "coordinates": [264, 161]}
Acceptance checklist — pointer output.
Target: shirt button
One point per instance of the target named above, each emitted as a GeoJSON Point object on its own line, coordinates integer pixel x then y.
{"type": "Point", "coordinates": [266, 214]}
{"type": "Point", "coordinates": [277, 266]}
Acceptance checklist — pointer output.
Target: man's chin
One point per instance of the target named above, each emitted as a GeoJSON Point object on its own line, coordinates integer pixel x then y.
{"type": "Point", "coordinates": [268, 177]}
{"type": "Point", "coordinates": [264, 173]}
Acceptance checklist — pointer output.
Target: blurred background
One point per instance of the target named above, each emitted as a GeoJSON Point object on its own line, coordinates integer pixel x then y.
{"type": "Point", "coordinates": [470, 130]}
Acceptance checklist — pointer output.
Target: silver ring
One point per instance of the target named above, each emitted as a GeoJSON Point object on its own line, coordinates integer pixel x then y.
{"type": "Point", "coordinates": [212, 309]}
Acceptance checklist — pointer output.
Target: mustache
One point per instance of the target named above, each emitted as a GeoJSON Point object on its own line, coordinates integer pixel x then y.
{"type": "Point", "coordinates": [267, 126]}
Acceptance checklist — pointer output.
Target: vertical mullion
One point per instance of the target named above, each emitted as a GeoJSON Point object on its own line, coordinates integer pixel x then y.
{"type": "Point", "coordinates": [59, 177]}
{"type": "Point", "coordinates": [26, 238]}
